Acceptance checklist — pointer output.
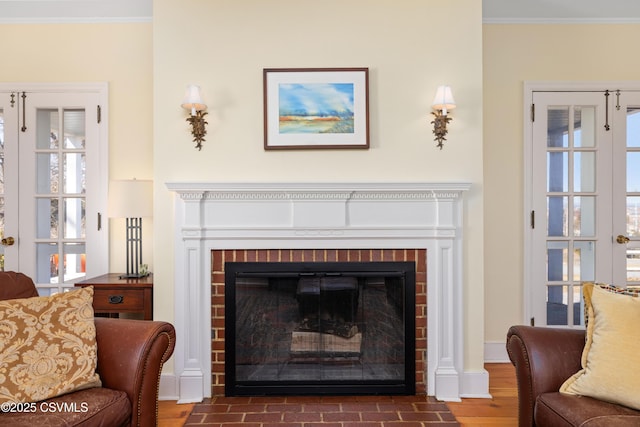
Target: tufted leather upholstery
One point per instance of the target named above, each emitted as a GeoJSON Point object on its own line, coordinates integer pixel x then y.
{"type": "Point", "coordinates": [130, 358]}
{"type": "Point", "coordinates": [544, 358]}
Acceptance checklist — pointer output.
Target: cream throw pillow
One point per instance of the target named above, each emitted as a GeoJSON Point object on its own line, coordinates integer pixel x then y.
{"type": "Point", "coordinates": [47, 346]}
{"type": "Point", "coordinates": [611, 350]}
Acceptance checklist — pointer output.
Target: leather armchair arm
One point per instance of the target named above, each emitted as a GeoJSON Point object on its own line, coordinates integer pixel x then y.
{"type": "Point", "coordinates": [130, 358]}
{"type": "Point", "coordinates": [544, 358]}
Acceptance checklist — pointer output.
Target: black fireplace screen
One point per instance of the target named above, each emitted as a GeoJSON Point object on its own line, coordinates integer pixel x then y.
{"type": "Point", "coordinates": [319, 328]}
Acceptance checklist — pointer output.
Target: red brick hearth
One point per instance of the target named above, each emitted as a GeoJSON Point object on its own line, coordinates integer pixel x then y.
{"type": "Point", "coordinates": [219, 257]}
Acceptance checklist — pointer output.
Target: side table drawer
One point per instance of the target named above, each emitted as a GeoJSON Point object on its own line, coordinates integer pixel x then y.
{"type": "Point", "coordinates": [115, 300]}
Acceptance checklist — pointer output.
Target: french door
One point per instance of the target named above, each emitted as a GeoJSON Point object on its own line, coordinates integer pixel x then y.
{"type": "Point", "coordinates": [583, 199]}
{"type": "Point", "coordinates": [53, 170]}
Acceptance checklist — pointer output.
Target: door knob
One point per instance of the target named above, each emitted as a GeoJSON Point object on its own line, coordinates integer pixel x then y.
{"type": "Point", "coordinates": [7, 241]}
{"type": "Point", "coordinates": [623, 240]}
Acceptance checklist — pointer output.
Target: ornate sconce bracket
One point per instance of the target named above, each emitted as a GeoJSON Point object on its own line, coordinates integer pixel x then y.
{"type": "Point", "coordinates": [198, 128]}
{"type": "Point", "coordinates": [439, 123]}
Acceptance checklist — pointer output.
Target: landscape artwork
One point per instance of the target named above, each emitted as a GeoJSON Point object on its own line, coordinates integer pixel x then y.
{"type": "Point", "coordinates": [316, 108]}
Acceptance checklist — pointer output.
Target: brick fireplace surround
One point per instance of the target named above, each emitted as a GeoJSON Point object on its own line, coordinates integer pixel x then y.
{"type": "Point", "coordinates": [214, 221]}
{"type": "Point", "coordinates": [219, 257]}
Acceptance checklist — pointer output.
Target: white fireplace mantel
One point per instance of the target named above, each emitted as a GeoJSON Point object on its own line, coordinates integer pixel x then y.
{"type": "Point", "coordinates": [212, 216]}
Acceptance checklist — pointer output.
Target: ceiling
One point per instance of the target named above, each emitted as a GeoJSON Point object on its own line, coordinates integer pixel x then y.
{"type": "Point", "coordinates": [493, 11]}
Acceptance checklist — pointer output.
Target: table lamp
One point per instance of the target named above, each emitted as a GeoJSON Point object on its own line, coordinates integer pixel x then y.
{"type": "Point", "coordinates": [132, 199]}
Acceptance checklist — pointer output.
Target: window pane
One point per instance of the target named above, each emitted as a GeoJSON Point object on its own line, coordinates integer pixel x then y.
{"type": "Point", "coordinates": [74, 167]}
{"type": "Point", "coordinates": [578, 306]}
{"type": "Point", "coordinates": [557, 305]}
{"type": "Point", "coordinates": [47, 213]}
{"type": "Point", "coordinates": [48, 261]}
{"type": "Point", "coordinates": [1, 129]}
{"type": "Point", "coordinates": [584, 261]}
{"type": "Point", "coordinates": [557, 216]}
{"type": "Point", "coordinates": [74, 129]}
{"type": "Point", "coordinates": [557, 172]}
{"type": "Point", "coordinates": [74, 224]}
{"type": "Point", "coordinates": [557, 126]}
{"type": "Point", "coordinates": [633, 171]}
{"type": "Point", "coordinates": [633, 216]}
{"type": "Point", "coordinates": [74, 260]}
{"type": "Point", "coordinates": [557, 253]}
{"type": "Point", "coordinates": [584, 134]}
{"type": "Point", "coordinates": [584, 216]}
{"type": "Point", "coordinates": [47, 173]}
{"type": "Point", "coordinates": [584, 171]}
{"type": "Point", "coordinates": [633, 127]}
{"type": "Point", "coordinates": [47, 130]}
{"type": "Point", "coordinates": [633, 265]}
{"type": "Point", "coordinates": [1, 172]}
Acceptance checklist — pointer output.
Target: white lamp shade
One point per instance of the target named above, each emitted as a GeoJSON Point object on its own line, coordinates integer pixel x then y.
{"type": "Point", "coordinates": [193, 99]}
{"type": "Point", "coordinates": [131, 198]}
{"type": "Point", "coordinates": [443, 99]}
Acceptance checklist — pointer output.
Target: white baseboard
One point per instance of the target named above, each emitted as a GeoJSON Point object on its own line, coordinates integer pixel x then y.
{"type": "Point", "coordinates": [168, 389]}
{"type": "Point", "coordinates": [475, 384]}
{"type": "Point", "coordinates": [495, 352]}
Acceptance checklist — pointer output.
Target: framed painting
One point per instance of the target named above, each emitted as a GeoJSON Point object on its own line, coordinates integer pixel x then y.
{"type": "Point", "coordinates": [308, 108]}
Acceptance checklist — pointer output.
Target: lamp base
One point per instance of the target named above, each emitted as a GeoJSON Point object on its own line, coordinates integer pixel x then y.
{"type": "Point", "coordinates": [133, 276]}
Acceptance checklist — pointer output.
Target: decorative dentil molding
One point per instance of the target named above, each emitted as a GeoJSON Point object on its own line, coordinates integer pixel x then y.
{"type": "Point", "coordinates": [314, 191]}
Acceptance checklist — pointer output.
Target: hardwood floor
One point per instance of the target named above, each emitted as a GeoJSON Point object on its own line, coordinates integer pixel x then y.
{"type": "Point", "coordinates": [500, 411]}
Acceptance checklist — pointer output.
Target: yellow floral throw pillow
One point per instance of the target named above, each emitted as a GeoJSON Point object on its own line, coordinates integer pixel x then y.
{"type": "Point", "coordinates": [611, 351]}
{"type": "Point", "coordinates": [47, 346]}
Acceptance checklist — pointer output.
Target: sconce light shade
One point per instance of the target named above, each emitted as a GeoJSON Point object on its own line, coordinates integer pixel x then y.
{"type": "Point", "coordinates": [442, 102]}
{"type": "Point", "coordinates": [444, 99]}
{"type": "Point", "coordinates": [194, 103]}
{"type": "Point", "coordinates": [193, 100]}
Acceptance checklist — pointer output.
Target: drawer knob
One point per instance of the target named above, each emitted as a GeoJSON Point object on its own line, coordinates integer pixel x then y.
{"type": "Point", "coordinates": [116, 299]}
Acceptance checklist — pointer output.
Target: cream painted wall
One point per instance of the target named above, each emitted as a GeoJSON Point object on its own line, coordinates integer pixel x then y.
{"type": "Point", "coordinates": [514, 54]}
{"type": "Point", "coordinates": [120, 54]}
{"type": "Point", "coordinates": [410, 47]}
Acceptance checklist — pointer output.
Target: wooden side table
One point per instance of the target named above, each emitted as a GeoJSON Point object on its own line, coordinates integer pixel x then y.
{"type": "Point", "coordinates": [112, 295]}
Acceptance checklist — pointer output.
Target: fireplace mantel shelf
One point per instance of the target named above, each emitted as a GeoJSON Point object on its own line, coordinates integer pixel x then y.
{"type": "Point", "coordinates": [216, 215]}
{"type": "Point", "coordinates": [320, 191]}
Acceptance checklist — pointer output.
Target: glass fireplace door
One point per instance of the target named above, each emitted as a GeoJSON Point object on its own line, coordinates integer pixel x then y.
{"type": "Point", "coordinates": [318, 329]}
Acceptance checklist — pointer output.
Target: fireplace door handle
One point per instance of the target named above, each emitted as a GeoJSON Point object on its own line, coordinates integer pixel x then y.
{"type": "Point", "coordinates": [116, 299]}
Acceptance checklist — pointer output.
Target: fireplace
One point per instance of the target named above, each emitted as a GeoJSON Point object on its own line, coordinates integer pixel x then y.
{"type": "Point", "coordinates": [217, 223]}
{"type": "Point", "coordinates": [321, 328]}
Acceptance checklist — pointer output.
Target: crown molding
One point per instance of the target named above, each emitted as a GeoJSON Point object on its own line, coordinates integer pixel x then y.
{"type": "Point", "coordinates": [561, 21]}
{"type": "Point", "coordinates": [74, 11]}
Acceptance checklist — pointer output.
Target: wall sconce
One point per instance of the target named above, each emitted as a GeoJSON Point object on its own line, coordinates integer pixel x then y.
{"type": "Point", "coordinates": [194, 103]}
{"type": "Point", "coordinates": [442, 102]}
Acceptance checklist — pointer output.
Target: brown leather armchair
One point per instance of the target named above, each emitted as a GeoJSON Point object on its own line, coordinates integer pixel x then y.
{"type": "Point", "coordinates": [544, 358]}
{"type": "Point", "coordinates": [130, 358]}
